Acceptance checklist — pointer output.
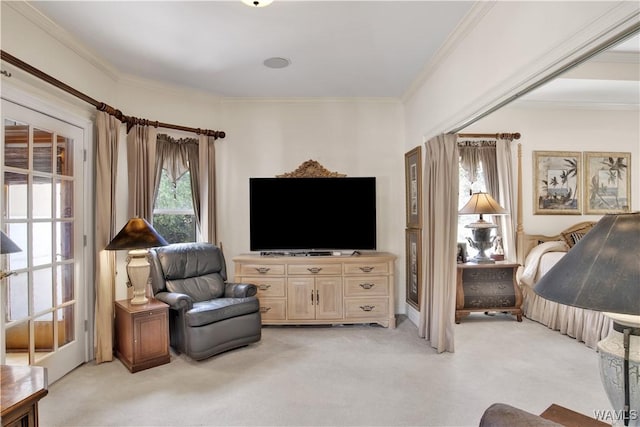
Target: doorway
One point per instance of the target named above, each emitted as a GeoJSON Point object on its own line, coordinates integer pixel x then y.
{"type": "Point", "coordinates": [43, 308]}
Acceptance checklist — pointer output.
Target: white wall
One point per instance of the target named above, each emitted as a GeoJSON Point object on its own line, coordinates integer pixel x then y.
{"type": "Point", "coordinates": [499, 50]}
{"type": "Point", "coordinates": [566, 129]}
{"type": "Point", "coordinates": [267, 138]}
{"type": "Point", "coordinates": [504, 46]}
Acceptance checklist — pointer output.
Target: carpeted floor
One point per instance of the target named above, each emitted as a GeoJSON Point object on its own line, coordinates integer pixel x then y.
{"type": "Point", "coordinates": [341, 376]}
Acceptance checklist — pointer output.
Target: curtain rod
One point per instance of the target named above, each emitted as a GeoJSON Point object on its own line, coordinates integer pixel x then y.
{"type": "Point", "coordinates": [101, 106]}
{"type": "Point", "coordinates": [509, 136]}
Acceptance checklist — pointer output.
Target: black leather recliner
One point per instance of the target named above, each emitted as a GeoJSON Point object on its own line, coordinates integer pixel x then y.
{"type": "Point", "coordinates": [207, 315]}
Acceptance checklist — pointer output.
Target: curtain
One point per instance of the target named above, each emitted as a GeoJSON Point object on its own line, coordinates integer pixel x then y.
{"type": "Point", "coordinates": [108, 133]}
{"type": "Point", "coordinates": [177, 156]}
{"type": "Point", "coordinates": [209, 143]}
{"type": "Point", "coordinates": [497, 167]}
{"type": "Point", "coordinates": [506, 193]}
{"type": "Point", "coordinates": [141, 165]}
{"type": "Point", "coordinates": [474, 152]}
{"type": "Point", "coordinates": [439, 235]}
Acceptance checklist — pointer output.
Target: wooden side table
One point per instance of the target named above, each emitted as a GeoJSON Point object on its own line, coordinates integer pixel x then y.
{"type": "Point", "coordinates": [488, 287]}
{"type": "Point", "coordinates": [142, 334]}
{"type": "Point", "coordinates": [21, 389]}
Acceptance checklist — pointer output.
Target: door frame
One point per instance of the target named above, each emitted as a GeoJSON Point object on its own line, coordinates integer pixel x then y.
{"type": "Point", "coordinates": [81, 116]}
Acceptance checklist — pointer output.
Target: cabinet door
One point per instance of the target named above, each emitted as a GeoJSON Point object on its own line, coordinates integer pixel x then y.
{"type": "Point", "coordinates": [150, 336]}
{"type": "Point", "coordinates": [301, 297]}
{"type": "Point", "coordinates": [329, 298]}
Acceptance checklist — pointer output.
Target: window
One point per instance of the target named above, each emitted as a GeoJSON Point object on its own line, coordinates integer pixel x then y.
{"type": "Point", "coordinates": [173, 214]}
{"type": "Point", "coordinates": [465, 189]}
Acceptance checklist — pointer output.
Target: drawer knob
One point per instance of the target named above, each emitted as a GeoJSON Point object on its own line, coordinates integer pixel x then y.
{"type": "Point", "coordinates": [367, 285]}
{"type": "Point", "coordinates": [314, 270]}
{"type": "Point", "coordinates": [366, 269]}
{"type": "Point", "coordinates": [367, 307]}
{"type": "Point", "coordinates": [264, 309]}
{"type": "Point", "coordinates": [264, 287]}
{"type": "Point", "coordinates": [262, 270]}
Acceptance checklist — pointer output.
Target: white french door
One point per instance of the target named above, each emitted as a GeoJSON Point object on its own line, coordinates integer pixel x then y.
{"type": "Point", "coordinates": [43, 303]}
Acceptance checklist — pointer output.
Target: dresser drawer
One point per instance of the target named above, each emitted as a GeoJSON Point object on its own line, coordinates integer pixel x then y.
{"type": "Point", "coordinates": [262, 269]}
{"type": "Point", "coordinates": [273, 309]}
{"type": "Point", "coordinates": [267, 286]}
{"type": "Point", "coordinates": [366, 286]}
{"type": "Point", "coordinates": [319, 269]}
{"type": "Point", "coordinates": [366, 268]}
{"type": "Point", "coordinates": [365, 308]}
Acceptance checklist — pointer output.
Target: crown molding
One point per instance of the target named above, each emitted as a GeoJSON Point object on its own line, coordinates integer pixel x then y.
{"type": "Point", "coordinates": [166, 88]}
{"type": "Point", "coordinates": [311, 100]}
{"type": "Point", "coordinates": [566, 105]}
{"type": "Point", "coordinates": [462, 30]}
{"type": "Point", "coordinates": [618, 57]}
{"type": "Point", "coordinates": [587, 42]}
{"type": "Point", "coordinates": [61, 35]}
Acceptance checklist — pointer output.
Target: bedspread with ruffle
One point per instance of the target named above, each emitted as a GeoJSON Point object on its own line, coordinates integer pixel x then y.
{"type": "Point", "coordinates": [584, 325]}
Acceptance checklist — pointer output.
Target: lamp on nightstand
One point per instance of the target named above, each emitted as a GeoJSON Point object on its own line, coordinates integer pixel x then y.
{"type": "Point", "coordinates": [481, 203]}
{"type": "Point", "coordinates": [137, 236]}
{"type": "Point", "coordinates": [602, 272]}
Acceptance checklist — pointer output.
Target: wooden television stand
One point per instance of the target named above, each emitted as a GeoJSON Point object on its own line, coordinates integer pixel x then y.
{"type": "Point", "coordinates": [309, 290]}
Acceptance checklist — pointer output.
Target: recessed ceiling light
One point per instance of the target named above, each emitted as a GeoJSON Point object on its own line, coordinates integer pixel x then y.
{"type": "Point", "coordinates": [257, 3]}
{"type": "Point", "coordinates": [276, 62]}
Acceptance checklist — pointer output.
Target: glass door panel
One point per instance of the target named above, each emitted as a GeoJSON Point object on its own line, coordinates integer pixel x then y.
{"type": "Point", "coordinates": [42, 304]}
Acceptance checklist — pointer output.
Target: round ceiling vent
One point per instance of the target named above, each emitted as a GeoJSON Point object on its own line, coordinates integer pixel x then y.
{"type": "Point", "coordinates": [276, 62]}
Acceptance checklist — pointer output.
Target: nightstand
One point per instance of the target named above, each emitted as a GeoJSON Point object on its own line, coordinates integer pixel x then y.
{"type": "Point", "coordinates": [488, 287]}
{"type": "Point", "coordinates": [142, 334]}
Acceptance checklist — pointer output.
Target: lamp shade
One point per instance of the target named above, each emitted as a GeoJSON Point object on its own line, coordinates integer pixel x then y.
{"type": "Point", "coordinates": [602, 271]}
{"type": "Point", "coordinates": [136, 234]}
{"type": "Point", "coordinates": [7, 246]}
{"type": "Point", "coordinates": [482, 203]}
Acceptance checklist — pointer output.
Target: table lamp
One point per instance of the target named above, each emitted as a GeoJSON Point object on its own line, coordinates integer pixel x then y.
{"type": "Point", "coordinates": [481, 203]}
{"type": "Point", "coordinates": [7, 246]}
{"type": "Point", "coordinates": [602, 272]}
{"type": "Point", "coordinates": [137, 236]}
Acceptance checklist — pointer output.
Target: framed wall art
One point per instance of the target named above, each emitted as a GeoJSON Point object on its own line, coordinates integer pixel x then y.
{"type": "Point", "coordinates": [413, 177]}
{"type": "Point", "coordinates": [414, 271]}
{"type": "Point", "coordinates": [557, 183]}
{"type": "Point", "coordinates": [607, 182]}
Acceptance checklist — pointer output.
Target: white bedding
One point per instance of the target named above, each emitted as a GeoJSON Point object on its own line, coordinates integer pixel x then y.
{"type": "Point", "coordinates": [584, 325]}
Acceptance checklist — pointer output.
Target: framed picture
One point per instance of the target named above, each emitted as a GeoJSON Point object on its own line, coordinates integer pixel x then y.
{"type": "Point", "coordinates": [607, 182]}
{"type": "Point", "coordinates": [414, 273]}
{"type": "Point", "coordinates": [557, 182]}
{"type": "Point", "coordinates": [413, 176]}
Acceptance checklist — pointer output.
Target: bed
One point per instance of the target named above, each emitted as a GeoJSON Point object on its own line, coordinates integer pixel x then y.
{"type": "Point", "coordinates": [536, 255]}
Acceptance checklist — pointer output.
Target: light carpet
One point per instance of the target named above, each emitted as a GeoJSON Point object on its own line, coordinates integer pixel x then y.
{"type": "Point", "coordinates": [341, 376]}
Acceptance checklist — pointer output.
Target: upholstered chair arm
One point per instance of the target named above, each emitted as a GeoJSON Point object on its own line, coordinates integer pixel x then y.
{"type": "Point", "coordinates": [175, 300]}
{"type": "Point", "coordinates": [240, 290]}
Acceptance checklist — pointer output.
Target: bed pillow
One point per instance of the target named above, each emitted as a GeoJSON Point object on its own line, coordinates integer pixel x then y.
{"type": "Point", "coordinates": [573, 235]}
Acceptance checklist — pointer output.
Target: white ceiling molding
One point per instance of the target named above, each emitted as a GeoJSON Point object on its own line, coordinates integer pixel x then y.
{"type": "Point", "coordinates": [462, 30]}
{"type": "Point", "coordinates": [62, 36]}
{"type": "Point", "coordinates": [623, 19]}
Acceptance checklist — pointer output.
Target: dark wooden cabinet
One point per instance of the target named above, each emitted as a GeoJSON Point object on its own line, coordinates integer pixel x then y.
{"type": "Point", "coordinates": [22, 387]}
{"type": "Point", "coordinates": [488, 287]}
{"type": "Point", "coordinates": [142, 334]}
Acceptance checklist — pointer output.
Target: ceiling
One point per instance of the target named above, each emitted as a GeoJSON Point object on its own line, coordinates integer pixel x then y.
{"type": "Point", "coordinates": [608, 80]}
{"type": "Point", "coordinates": [335, 48]}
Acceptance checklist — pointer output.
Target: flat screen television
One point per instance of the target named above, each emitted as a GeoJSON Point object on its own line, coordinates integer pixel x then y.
{"type": "Point", "coordinates": [306, 214]}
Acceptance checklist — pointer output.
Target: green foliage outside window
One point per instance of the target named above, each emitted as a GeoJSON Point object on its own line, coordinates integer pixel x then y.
{"type": "Point", "coordinates": [173, 215]}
